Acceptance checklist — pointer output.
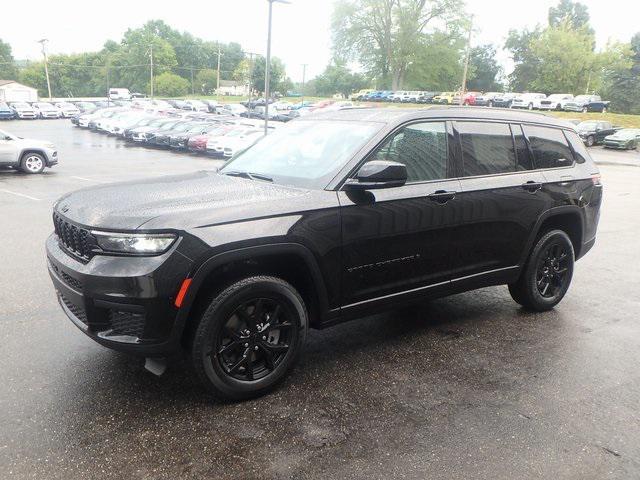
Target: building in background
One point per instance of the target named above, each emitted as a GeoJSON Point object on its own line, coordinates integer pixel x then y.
{"type": "Point", "coordinates": [231, 87]}
{"type": "Point", "coordinates": [12, 91]}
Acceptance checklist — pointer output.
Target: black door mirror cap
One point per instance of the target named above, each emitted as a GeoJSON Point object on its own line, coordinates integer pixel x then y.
{"type": "Point", "coordinates": [378, 174]}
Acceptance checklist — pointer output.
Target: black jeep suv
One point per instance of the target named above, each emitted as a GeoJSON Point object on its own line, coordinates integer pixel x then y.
{"type": "Point", "coordinates": [334, 216]}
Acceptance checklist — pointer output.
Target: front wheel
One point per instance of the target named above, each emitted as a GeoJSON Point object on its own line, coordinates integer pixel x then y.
{"type": "Point", "coordinates": [591, 141]}
{"type": "Point", "coordinates": [604, 109]}
{"type": "Point", "coordinates": [546, 277]}
{"type": "Point", "coordinates": [32, 163]}
{"type": "Point", "coordinates": [249, 337]}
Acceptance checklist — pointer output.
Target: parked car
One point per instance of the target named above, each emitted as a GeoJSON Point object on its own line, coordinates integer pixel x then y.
{"type": "Point", "coordinates": [84, 106]}
{"type": "Point", "coordinates": [587, 103]}
{"type": "Point", "coordinates": [504, 100]}
{"type": "Point", "coordinates": [232, 109]}
{"type": "Point", "coordinates": [23, 110]}
{"type": "Point", "coordinates": [359, 95]}
{"type": "Point", "coordinates": [557, 101]}
{"type": "Point", "coordinates": [527, 100]}
{"type": "Point", "coordinates": [624, 139]}
{"type": "Point", "coordinates": [197, 106]}
{"type": "Point", "coordinates": [25, 154]}
{"type": "Point", "coordinates": [234, 145]}
{"type": "Point", "coordinates": [46, 110]}
{"type": "Point", "coordinates": [67, 110]}
{"type": "Point", "coordinates": [232, 267]}
{"type": "Point", "coordinates": [427, 97]}
{"type": "Point", "coordinates": [593, 132]}
{"type": "Point", "coordinates": [445, 98]}
{"type": "Point", "coordinates": [6, 112]}
{"type": "Point", "coordinates": [486, 99]}
{"type": "Point", "coordinates": [119, 94]}
{"type": "Point", "coordinates": [468, 98]}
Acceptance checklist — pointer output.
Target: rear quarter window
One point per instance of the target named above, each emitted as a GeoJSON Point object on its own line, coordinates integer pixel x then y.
{"type": "Point", "coordinates": [579, 149]}
{"type": "Point", "coordinates": [550, 147]}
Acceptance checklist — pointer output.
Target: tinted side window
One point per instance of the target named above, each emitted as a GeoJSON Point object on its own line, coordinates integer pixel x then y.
{"type": "Point", "coordinates": [487, 148]}
{"type": "Point", "coordinates": [550, 148]}
{"type": "Point", "coordinates": [523, 155]}
{"type": "Point", "coordinates": [422, 147]}
{"type": "Point", "coordinates": [577, 144]}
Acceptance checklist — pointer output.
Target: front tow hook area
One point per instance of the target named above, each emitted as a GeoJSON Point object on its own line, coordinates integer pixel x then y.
{"type": "Point", "coordinates": [157, 366]}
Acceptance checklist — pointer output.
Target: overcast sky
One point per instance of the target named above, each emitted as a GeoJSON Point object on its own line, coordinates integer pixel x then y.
{"type": "Point", "coordinates": [301, 29]}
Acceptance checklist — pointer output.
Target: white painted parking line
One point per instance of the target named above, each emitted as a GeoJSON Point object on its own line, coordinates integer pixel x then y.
{"type": "Point", "coordinates": [88, 179]}
{"type": "Point", "coordinates": [20, 194]}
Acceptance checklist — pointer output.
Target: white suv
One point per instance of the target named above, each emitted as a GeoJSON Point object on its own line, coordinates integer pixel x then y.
{"type": "Point", "coordinates": [30, 156]}
{"type": "Point", "coordinates": [554, 102]}
{"type": "Point", "coordinates": [527, 100]}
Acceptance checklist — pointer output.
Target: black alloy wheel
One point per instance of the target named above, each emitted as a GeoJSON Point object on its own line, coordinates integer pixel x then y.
{"type": "Point", "coordinates": [255, 339]}
{"type": "Point", "coordinates": [249, 337]}
{"type": "Point", "coordinates": [546, 277]}
{"type": "Point", "coordinates": [552, 270]}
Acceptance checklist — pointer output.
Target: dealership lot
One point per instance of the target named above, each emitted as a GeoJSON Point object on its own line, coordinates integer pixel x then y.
{"type": "Point", "coordinates": [469, 386]}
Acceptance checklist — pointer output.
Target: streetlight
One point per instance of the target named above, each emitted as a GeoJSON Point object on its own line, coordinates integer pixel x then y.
{"type": "Point", "coordinates": [267, 70]}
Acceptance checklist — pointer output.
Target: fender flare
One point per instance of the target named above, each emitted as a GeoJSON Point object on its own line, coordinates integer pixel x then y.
{"type": "Point", "coordinates": [37, 150]}
{"type": "Point", "coordinates": [247, 253]}
{"type": "Point", "coordinates": [553, 212]}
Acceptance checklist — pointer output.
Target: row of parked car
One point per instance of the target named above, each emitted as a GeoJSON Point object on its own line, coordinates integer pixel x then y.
{"type": "Point", "coordinates": [530, 101]}
{"type": "Point", "coordinates": [220, 133]}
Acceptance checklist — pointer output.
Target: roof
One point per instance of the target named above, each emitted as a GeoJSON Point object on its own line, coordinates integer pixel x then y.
{"type": "Point", "coordinates": [5, 82]}
{"type": "Point", "coordinates": [13, 82]}
{"type": "Point", "coordinates": [231, 83]}
{"type": "Point", "coordinates": [398, 115]}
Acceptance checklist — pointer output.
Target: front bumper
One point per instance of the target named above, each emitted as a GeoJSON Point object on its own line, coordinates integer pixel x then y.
{"type": "Point", "coordinates": [573, 108]}
{"type": "Point", "coordinates": [123, 303]}
{"type": "Point", "coordinates": [617, 145]}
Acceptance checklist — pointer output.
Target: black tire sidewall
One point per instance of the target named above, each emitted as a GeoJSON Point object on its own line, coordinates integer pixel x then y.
{"type": "Point", "coordinates": [533, 297]}
{"type": "Point", "coordinates": [210, 372]}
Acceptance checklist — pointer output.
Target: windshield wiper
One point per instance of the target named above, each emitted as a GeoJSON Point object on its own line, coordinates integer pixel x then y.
{"type": "Point", "coordinates": [250, 176]}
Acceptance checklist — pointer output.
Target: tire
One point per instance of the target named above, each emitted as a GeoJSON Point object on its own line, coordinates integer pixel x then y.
{"type": "Point", "coordinates": [250, 357]}
{"type": "Point", "coordinates": [32, 163]}
{"type": "Point", "coordinates": [591, 141]}
{"type": "Point", "coordinates": [585, 110]}
{"type": "Point", "coordinates": [547, 275]}
{"type": "Point", "coordinates": [490, 104]}
{"type": "Point", "coordinates": [530, 107]}
{"type": "Point", "coordinates": [604, 109]}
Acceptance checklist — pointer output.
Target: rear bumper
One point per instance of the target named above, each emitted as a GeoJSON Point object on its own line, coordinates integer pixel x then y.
{"type": "Point", "coordinates": [123, 303]}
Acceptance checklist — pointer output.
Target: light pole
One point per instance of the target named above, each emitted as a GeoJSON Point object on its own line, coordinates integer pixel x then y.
{"type": "Point", "coordinates": [304, 74]}
{"type": "Point", "coordinates": [267, 69]}
{"type": "Point", "coordinates": [466, 63]}
{"type": "Point", "coordinates": [46, 62]}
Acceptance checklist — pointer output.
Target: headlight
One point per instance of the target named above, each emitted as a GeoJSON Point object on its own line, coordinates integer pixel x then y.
{"type": "Point", "coordinates": [141, 243]}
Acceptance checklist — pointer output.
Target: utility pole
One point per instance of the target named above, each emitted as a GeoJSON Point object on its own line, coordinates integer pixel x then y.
{"type": "Point", "coordinates": [251, 54]}
{"type": "Point", "coordinates": [46, 64]}
{"type": "Point", "coordinates": [218, 76]}
{"type": "Point", "coordinates": [107, 83]}
{"type": "Point", "coordinates": [151, 68]}
{"type": "Point", "coordinates": [304, 74]}
{"type": "Point", "coordinates": [193, 87]}
{"type": "Point", "coordinates": [466, 63]}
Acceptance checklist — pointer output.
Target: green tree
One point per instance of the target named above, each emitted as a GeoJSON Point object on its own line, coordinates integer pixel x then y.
{"type": "Point", "coordinates": [565, 61]}
{"type": "Point", "coordinates": [206, 81]}
{"type": "Point", "coordinates": [386, 36]}
{"type": "Point", "coordinates": [276, 76]}
{"type": "Point", "coordinates": [437, 64]}
{"type": "Point", "coordinates": [484, 69]}
{"type": "Point", "coordinates": [622, 80]}
{"type": "Point", "coordinates": [8, 69]}
{"type": "Point", "coordinates": [575, 13]}
{"type": "Point", "coordinates": [337, 78]}
{"type": "Point", "coordinates": [525, 62]}
{"type": "Point", "coordinates": [169, 84]}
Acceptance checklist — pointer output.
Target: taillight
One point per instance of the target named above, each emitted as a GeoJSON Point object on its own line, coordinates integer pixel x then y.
{"type": "Point", "coordinates": [596, 179]}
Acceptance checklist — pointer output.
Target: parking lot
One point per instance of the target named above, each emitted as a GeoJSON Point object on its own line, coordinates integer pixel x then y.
{"type": "Point", "coordinates": [469, 386]}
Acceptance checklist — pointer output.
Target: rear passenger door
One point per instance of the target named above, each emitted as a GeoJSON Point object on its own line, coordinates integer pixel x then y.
{"type": "Point", "coordinates": [501, 197]}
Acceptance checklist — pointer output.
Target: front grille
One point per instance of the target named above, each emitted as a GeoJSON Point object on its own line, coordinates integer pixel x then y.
{"type": "Point", "coordinates": [76, 310]}
{"type": "Point", "coordinates": [126, 323]}
{"type": "Point", "coordinates": [74, 239]}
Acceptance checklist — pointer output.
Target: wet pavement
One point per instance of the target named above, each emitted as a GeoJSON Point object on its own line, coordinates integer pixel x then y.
{"type": "Point", "coordinates": [470, 386]}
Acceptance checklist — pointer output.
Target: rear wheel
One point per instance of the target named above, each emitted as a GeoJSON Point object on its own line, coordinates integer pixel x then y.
{"type": "Point", "coordinates": [585, 110]}
{"type": "Point", "coordinates": [591, 141]}
{"type": "Point", "coordinates": [249, 337]}
{"type": "Point", "coordinates": [604, 109]}
{"type": "Point", "coordinates": [547, 275]}
{"type": "Point", "coordinates": [32, 163]}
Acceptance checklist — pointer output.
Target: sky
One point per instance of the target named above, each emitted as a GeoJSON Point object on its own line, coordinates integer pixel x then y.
{"type": "Point", "coordinates": [301, 29]}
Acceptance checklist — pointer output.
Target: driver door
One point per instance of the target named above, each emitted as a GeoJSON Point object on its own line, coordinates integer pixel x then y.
{"type": "Point", "coordinates": [8, 150]}
{"type": "Point", "coordinates": [397, 241]}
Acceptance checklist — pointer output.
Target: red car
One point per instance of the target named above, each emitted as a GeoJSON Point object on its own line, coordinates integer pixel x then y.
{"type": "Point", "coordinates": [199, 142]}
{"type": "Point", "coordinates": [468, 99]}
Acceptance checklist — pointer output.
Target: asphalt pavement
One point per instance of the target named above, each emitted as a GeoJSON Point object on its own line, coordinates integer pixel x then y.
{"type": "Point", "coordinates": [469, 386]}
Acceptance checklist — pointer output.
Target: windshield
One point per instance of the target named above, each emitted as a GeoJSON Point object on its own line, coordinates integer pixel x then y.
{"type": "Point", "coordinates": [628, 133]}
{"type": "Point", "coordinates": [20, 105]}
{"type": "Point", "coordinates": [582, 98]}
{"type": "Point", "coordinates": [587, 126]}
{"type": "Point", "coordinates": [304, 153]}
{"type": "Point", "coordinates": [4, 135]}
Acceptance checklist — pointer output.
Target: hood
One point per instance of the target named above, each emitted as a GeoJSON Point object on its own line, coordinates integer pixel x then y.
{"type": "Point", "coordinates": [176, 202]}
{"type": "Point", "coordinates": [23, 109]}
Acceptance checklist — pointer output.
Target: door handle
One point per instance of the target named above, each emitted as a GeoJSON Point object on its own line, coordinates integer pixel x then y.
{"type": "Point", "coordinates": [532, 186]}
{"type": "Point", "coordinates": [441, 196]}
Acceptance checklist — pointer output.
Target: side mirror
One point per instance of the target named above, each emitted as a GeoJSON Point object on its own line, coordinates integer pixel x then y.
{"type": "Point", "coordinates": [378, 174]}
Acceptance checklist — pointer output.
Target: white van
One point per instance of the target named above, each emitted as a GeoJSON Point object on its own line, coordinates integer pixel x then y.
{"type": "Point", "coordinates": [119, 94]}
